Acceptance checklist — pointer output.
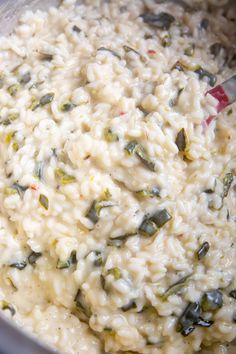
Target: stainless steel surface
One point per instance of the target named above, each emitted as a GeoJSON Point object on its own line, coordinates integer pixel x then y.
{"type": "Point", "coordinates": [13, 341]}
{"type": "Point", "coordinates": [11, 9]}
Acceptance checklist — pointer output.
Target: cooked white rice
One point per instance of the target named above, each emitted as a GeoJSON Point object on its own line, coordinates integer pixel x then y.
{"type": "Point", "coordinates": [126, 96]}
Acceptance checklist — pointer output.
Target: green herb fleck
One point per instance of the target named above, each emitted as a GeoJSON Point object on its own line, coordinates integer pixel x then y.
{"type": "Point", "coordinates": [19, 265]}
{"type": "Point", "coordinates": [163, 20]}
{"type": "Point", "coordinates": [63, 177]}
{"type": "Point", "coordinates": [149, 192]}
{"type": "Point", "coordinates": [227, 181]}
{"type": "Point", "coordinates": [95, 209]}
{"type": "Point", "coordinates": [110, 136]}
{"type": "Point", "coordinates": [212, 300]}
{"type": "Point", "coordinates": [34, 104]}
{"type": "Point", "coordinates": [178, 286]}
{"type": "Point", "coordinates": [33, 257]}
{"type": "Point", "coordinates": [38, 170]}
{"type": "Point", "coordinates": [25, 78]}
{"type": "Point", "coordinates": [46, 99]}
{"type": "Point", "coordinates": [109, 51]}
{"type": "Point", "coordinates": [70, 261]}
{"type": "Point", "coordinates": [43, 201]}
{"type": "Point", "coordinates": [203, 250]}
{"type": "Point", "coordinates": [166, 40]}
{"type": "Point", "coordinates": [67, 107]}
{"type": "Point", "coordinates": [116, 272]}
{"type": "Point", "coordinates": [76, 29]}
{"type": "Point", "coordinates": [4, 305]}
{"type": "Point", "coordinates": [13, 89]}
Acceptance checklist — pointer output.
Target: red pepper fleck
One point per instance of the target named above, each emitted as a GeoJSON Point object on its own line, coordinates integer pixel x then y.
{"type": "Point", "coordinates": [151, 52]}
{"type": "Point", "coordinates": [34, 187]}
{"type": "Point", "coordinates": [122, 113]}
{"type": "Point", "coordinates": [209, 120]}
{"type": "Point", "coordinates": [219, 93]}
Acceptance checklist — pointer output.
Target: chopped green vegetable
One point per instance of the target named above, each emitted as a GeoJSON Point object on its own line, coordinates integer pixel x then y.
{"type": "Point", "coordinates": [15, 146]}
{"type": "Point", "coordinates": [166, 40]}
{"type": "Point", "coordinates": [110, 51]}
{"type": "Point", "coordinates": [134, 147]}
{"type": "Point", "coordinates": [19, 188]}
{"type": "Point", "coordinates": [148, 227]}
{"type": "Point", "coordinates": [204, 323]}
{"type": "Point", "coordinates": [203, 250]}
{"type": "Point", "coordinates": [110, 136]}
{"type": "Point", "coordinates": [46, 99]}
{"type": "Point", "coordinates": [106, 194]}
{"type": "Point", "coordinates": [151, 193]}
{"type": "Point", "coordinates": [160, 218]}
{"type": "Point", "coordinates": [76, 29]}
{"type": "Point", "coordinates": [34, 104]}
{"type": "Point", "coordinates": [163, 20]}
{"type": "Point", "coordinates": [189, 51]}
{"type": "Point", "coordinates": [70, 261]}
{"type": "Point", "coordinates": [9, 136]}
{"type": "Point", "coordinates": [13, 89]}
{"type": "Point", "coordinates": [43, 200]}
{"type": "Point", "coordinates": [230, 111]}
{"type": "Point", "coordinates": [103, 282]}
{"type": "Point", "coordinates": [209, 191]}
{"type": "Point", "coordinates": [4, 305]}
{"type": "Point", "coordinates": [131, 305]}
{"type": "Point", "coordinates": [63, 177]}
{"type": "Point", "coordinates": [46, 57]}
{"type": "Point", "coordinates": [131, 147]}
{"type": "Point", "coordinates": [38, 170]}
{"type": "Point", "coordinates": [212, 300]}
{"type": "Point", "coordinates": [118, 241]}
{"type": "Point", "coordinates": [10, 191]}
{"type": "Point", "coordinates": [227, 181]}
{"type": "Point", "coordinates": [116, 272]}
{"type": "Point", "coordinates": [95, 209]}
{"type": "Point", "coordinates": [233, 294]}
{"type": "Point", "coordinates": [81, 304]}
{"type": "Point", "coordinates": [98, 259]}
{"type": "Point", "coordinates": [5, 122]}
{"type": "Point", "coordinates": [67, 107]}
{"type": "Point", "coordinates": [25, 78]}
{"type": "Point", "coordinates": [19, 265]}
{"type": "Point", "coordinates": [181, 140]}
{"type": "Point", "coordinates": [33, 257]}
{"type": "Point", "coordinates": [202, 73]}
{"type": "Point", "coordinates": [128, 49]}
{"type": "Point", "coordinates": [178, 286]}
{"type": "Point", "coordinates": [221, 189]}
{"type": "Point", "coordinates": [189, 318]}
{"type": "Point", "coordinates": [146, 160]}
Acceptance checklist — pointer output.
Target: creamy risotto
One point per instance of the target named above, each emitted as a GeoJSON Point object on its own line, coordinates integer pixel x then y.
{"type": "Point", "coordinates": [117, 194]}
